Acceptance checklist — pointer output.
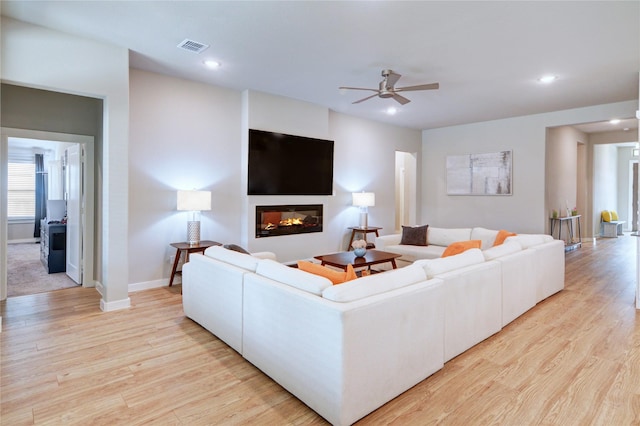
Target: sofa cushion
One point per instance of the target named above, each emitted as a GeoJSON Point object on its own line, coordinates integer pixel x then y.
{"type": "Point", "coordinates": [413, 253]}
{"type": "Point", "coordinates": [293, 276]}
{"type": "Point", "coordinates": [460, 247]}
{"type": "Point", "coordinates": [335, 276]}
{"type": "Point", "coordinates": [530, 240]}
{"type": "Point", "coordinates": [414, 235]}
{"type": "Point", "coordinates": [375, 284]}
{"type": "Point", "coordinates": [445, 236]}
{"type": "Point", "coordinates": [502, 250]}
{"type": "Point", "coordinates": [240, 260]}
{"type": "Point", "coordinates": [433, 267]}
{"type": "Point", "coordinates": [606, 216]}
{"type": "Point", "coordinates": [487, 236]}
{"type": "Point", "coordinates": [503, 235]}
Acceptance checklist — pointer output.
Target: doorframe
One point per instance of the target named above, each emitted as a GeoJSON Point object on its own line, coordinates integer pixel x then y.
{"type": "Point", "coordinates": [88, 227]}
{"type": "Point", "coordinates": [405, 188]}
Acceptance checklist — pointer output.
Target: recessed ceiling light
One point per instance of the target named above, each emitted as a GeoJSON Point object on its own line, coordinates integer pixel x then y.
{"type": "Point", "coordinates": [212, 64]}
{"type": "Point", "coordinates": [547, 79]}
{"type": "Point", "coordinates": [614, 121]}
{"type": "Point", "coordinates": [391, 110]}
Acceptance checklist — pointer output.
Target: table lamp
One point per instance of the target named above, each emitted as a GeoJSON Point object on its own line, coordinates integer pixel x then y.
{"type": "Point", "coordinates": [364, 200]}
{"type": "Point", "coordinates": [194, 202]}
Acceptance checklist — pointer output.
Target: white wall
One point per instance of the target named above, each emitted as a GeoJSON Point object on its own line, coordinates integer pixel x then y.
{"type": "Point", "coordinates": [605, 181]}
{"type": "Point", "coordinates": [525, 210]}
{"type": "Point", "coordinates": [562, 168]}
{"type": "Point", "coordinates": [186, 134]}
{"type": "Point", "coordinates": [88, 68]}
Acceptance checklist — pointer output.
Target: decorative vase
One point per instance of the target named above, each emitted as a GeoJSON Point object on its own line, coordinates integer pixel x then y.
{"type": "Point", "coordinates": [359, 252]}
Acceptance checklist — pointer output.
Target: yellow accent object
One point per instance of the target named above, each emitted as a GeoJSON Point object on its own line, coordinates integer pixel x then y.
{"type": "Point", "coordinates": [336, 277]}
{"type": "Point", "coordinates": [614, 215]}
{"type": "Point", "coordinates": [503, 235]}
{"type": "Point", "coordinates": [606, 216]}
{"type": "Point", "coordinates": [460, 247]}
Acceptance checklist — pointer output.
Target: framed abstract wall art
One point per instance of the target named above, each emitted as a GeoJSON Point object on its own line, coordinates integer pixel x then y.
{"type": "Point", "coordinates": [480, 174]}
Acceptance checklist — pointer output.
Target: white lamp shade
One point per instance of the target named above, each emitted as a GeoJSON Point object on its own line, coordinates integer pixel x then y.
{"type": "Point", "coordinates": [194, 200]}
{"type": "Point", "coordinates": [364, 199]}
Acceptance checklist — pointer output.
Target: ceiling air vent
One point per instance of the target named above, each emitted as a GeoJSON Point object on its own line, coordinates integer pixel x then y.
{"type": "Point", "coordinates": [192, 46]}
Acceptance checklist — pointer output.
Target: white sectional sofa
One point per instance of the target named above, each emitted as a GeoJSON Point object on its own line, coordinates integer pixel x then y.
{"type": "Point", "coordinates": [438, 239]}
{"type": "Point", "coordinates": [345, 350]}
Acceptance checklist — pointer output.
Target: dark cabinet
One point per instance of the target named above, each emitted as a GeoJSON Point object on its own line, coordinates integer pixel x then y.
{"type": "Point", "coordinates": [53, 246]}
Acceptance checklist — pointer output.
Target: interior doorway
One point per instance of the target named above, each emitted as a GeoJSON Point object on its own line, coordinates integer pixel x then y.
{"type": "Point", "coordinates": [85, 200]}
{"type": "Point", "coordinates": [405, 184]}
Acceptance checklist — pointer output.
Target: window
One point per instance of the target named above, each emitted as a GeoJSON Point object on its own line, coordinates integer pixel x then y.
{"type": "Point", "coordinates": [21, 191]}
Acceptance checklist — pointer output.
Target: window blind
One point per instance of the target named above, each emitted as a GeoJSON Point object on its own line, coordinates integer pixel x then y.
{"type": "Point", "coordinates": [21, 190]}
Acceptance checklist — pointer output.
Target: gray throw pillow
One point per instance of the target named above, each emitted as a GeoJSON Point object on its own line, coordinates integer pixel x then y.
{"type": "Point", "coordinates": [235, 248]}
{"type": "Point", "coordinates": [414, 235]}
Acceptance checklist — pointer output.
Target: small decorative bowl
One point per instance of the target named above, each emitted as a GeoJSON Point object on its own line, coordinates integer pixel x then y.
{"type": "Point", "coordinates": [359, 252]}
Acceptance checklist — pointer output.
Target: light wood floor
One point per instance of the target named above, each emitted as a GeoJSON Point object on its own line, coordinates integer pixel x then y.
{"type": "Point", "coordinates": [574, 359]}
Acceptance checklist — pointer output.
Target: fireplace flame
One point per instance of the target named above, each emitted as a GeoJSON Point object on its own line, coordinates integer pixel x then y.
{"type": "Point", "coordinates": [290, 222]}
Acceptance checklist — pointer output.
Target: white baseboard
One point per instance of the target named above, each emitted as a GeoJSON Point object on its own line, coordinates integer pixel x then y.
{"type": "Point", "coordinates": [99, 288]}
{"type": "Point", "coordinates": [115, 305]}
{"type": "Point", "coordinates": [24, 240]}
{"type": "Point", "coordinates": [147, 285]}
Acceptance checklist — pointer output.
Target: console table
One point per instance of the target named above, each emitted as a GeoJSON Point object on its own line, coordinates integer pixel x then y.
{"type": "Point", "coordinates": [362, 230]}
{"type": "Point", "coordinates": [188, 249]}
{"type": "Point", "coordinates": [569, 244]}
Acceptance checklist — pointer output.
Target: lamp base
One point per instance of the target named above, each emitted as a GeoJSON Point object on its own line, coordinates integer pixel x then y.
{"type": "Point", "coordinates": [363, 220]}
{"type": "Point", "coordinates": [193, 232]}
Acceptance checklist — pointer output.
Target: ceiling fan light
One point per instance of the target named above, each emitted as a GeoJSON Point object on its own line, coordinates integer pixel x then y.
{"type": "Point", "coordinates": [547, 79]}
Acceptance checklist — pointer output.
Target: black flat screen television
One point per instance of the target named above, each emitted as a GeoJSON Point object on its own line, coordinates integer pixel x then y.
{"type": "Point", "coordinates": [282, 164]}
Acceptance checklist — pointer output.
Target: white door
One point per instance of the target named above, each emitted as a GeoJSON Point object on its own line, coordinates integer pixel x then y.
{"type": "Point", "coordinates": [74, 195]}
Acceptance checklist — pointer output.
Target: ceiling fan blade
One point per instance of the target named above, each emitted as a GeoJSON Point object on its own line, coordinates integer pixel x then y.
{"type": "Point", "coordinates": [357, 88]}
{"type": "Point", "coordinates": [364, 99]}
{"type": "Point", "coordinates": [401, 99]}
{"type": "Point", "coordinates": [431, 86]}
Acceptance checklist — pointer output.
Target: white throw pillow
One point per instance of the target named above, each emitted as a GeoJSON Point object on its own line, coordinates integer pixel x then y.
{"type": "Point", "coordinates": [502, 250]}
{"type": "Point", "coordinates": [241, 260]}
{"type": "Point", "coordinates": [487, 236]}
{"type": "Point", "coordinates": [375, 284]}
{"type": "Point", "coordinates": [293, 276]}
{"type": "Point", "coordinates": [445, 236]}
{"type": "Point", "coordinates": [433, 267]}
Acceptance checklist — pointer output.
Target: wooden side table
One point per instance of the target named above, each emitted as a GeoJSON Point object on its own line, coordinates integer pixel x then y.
{"type": "Point", "coordinates": [362, 230]}
{"type": "Point", "coordinates": [188, 249]}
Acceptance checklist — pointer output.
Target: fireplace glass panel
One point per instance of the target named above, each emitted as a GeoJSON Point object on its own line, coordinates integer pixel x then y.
{"type": "Point", "coordinates": [272, 221]}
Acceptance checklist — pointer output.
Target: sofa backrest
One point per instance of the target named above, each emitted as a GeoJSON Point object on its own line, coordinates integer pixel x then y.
{"type": "Point", "coordinates": [241, 260]}
{"type": "Point", "coordinates": [434, 267]}
{"type": "Point", "coordinates": [445, 236]}
{"type": "Point", "coordinates": [487, 236]}
{"type": "Point", "coordinates": [293, 276]}
{"type": "Point", "coordinates": [375, 284]}
{"type": "Point", "coordinates": [530, 240]}
{"type": "Point", "coordinates": [502, 250]}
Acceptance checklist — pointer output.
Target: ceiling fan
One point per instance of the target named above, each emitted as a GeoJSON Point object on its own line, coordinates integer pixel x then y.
{"type": "Point", "coordinates": [387, 88]}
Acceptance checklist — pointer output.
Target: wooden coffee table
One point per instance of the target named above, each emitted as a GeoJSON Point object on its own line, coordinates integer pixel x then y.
{"type": "Point", "coordinates": [372, 257]}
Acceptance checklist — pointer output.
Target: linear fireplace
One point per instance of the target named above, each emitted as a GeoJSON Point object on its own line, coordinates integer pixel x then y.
{"type": "Point", "coordinates": [272, 221]}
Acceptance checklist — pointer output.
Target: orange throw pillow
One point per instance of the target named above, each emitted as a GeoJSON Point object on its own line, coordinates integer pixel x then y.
{"type": "Point", "coordinates": [461, 246]}
{"type": "Point", "coordinates": [502, 235]}
{"type": "Point", "coordinates": [336, 277]}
